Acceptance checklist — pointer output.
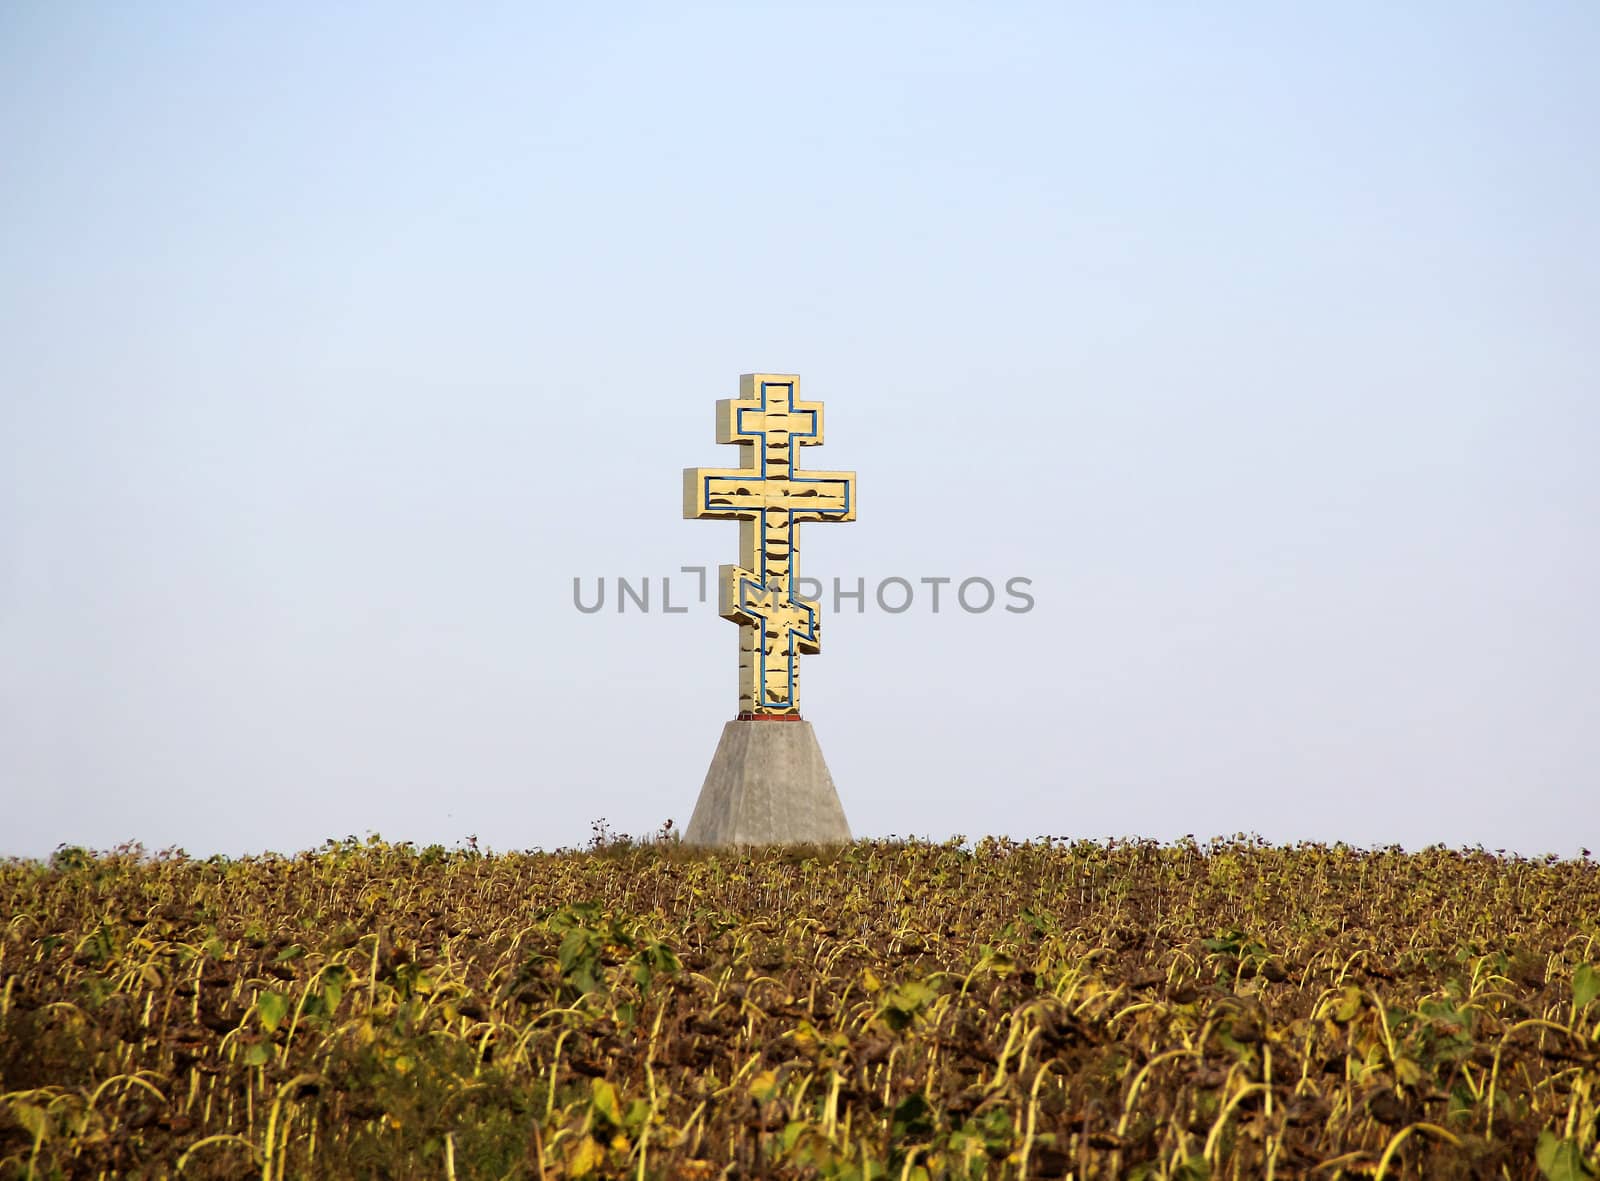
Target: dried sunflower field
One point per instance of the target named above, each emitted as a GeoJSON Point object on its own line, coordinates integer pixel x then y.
{"type": "Point", "coordinates": [1044, 1009]}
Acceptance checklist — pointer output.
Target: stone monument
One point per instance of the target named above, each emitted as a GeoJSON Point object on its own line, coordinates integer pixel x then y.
{"type": "Point", "coordinates": [768, 783]}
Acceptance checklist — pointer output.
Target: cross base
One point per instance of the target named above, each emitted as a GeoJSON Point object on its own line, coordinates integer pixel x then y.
{"type": "Point", "coordinates": [768, 785]}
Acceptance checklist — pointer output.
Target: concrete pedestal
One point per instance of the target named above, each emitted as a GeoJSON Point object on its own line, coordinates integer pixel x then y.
{"type": "Point", "coordinates": [768, 785]}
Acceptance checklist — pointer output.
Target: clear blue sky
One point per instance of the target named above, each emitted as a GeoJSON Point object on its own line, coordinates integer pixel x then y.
{"type": "Point", "coordinates": [336, 340]}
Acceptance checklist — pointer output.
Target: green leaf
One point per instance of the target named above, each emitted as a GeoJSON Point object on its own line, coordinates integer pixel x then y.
{"type": "Point", "coordinates": [603, 1100]}
{"type": "Point", "coordinates": [1585, 985]}
{"type": "Point", "coordinates": [662, 958]}
{"type": "Point", "coordinates": [578, 914]}
{"type": "Point", "coordinates": [652, 959]}
{"type": "Point", "coordinates": [1407, 1070]}
{"type": "Point", "coordinates": [271, 1007]}
{"type": "Point", "coordinates": [332, 991]}
{"type": "Point", "coordinates": [995, 1126]}
{"type": "Point", "coordinates": [912, 1118]}
{"type": "Point", "coordinates": [576, 945]}
{"type": "Point", "coordinates": [293, 952]}
{"type": "Point", "coordinates": [903, 1002]}
{"type": "Point", "coordinates": [1228, 942]}
{"type": "Point", "coordinates": [579, 958]}
{"type": "Point", "coordinates": [257, 1055]}
{"type": "Point", "coordinates": [1560, 1160]}
{"type": "Point", "coordinates": [637, 1115]}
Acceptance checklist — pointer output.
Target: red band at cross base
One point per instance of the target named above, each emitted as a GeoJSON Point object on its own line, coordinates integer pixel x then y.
{"type": "Point", "coordinates": [748, 717]}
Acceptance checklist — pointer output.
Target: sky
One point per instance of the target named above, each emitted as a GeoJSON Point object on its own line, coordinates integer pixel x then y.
{"type": "Point", "coordinates": [337, 341]}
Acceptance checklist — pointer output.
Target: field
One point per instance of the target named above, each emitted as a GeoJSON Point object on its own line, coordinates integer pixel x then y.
{"type": "Point", "coordinates": [1047, 1009]}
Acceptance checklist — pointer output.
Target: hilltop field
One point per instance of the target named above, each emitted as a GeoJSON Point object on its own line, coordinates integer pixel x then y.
{"type": "Point", "coordinates": [1044, 1009]}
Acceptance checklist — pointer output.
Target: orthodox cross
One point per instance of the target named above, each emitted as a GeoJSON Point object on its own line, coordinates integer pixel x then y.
{"type": "Point", "coordinates": [770, 498]}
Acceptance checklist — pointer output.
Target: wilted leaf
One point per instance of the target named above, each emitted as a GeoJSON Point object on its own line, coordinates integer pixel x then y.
{"type": "Point", "coordinates": [764, 1086]}
{"type": "Point", "coordinates": [585, 1158]}
{"type": "Point", "coordinates": [1349, 1005]}
{"type": "Point", "coordinates": [1407, 1071]}
{"type": "Point", "coordinates": [792, 1040]}
{"type": "Point", "coordinates": [35, 1119]}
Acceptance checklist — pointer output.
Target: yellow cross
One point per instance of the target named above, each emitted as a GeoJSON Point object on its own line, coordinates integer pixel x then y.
{"type": "Point", "coordinates": [770, 498]}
